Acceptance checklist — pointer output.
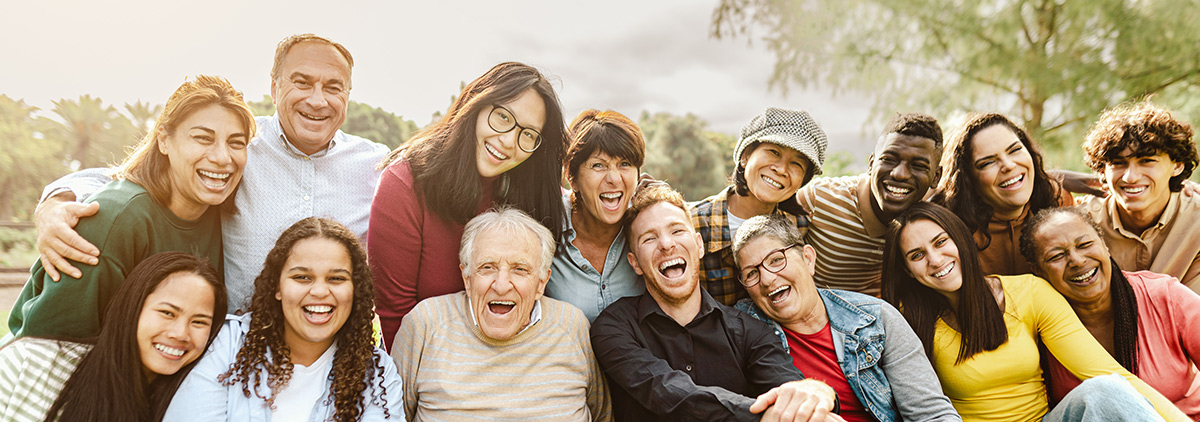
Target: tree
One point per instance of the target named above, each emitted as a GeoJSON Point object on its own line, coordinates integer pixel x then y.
{"type": "Point", "coordinates": [96, 135]}
{"type": "Point", "coordinates": [28, 160]}
{"type": "Point", "coordinates": [680, 150]}
{"type": "Point", "coordinates": [143, 115]}
{"type": "Point", "coordinates": [1051, 64]}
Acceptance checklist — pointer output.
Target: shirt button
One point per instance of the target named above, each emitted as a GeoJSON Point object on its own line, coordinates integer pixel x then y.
{"type": "Point", "coordinates": [603, 286]}
{"type": "Point", "coordinates": [306, 197]}
{"type": "Point", "coordinates": [688, 368]}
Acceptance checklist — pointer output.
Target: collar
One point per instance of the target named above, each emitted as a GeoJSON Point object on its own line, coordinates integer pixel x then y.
{"type": "Point", "coordinates": [1168, 215]}
{"type": "Point", "coordinates": [996, 225]}
{"type": "Point", "coordinates": [718, 221]}
{"type": "Point", "coordinates": [648, 306]}
{"type": "Point", "coordinates": [287, 145]}
{"type": "Point", "coordinates": [875, 228]}
{"type": "Point", "coordinates": [849, 321]}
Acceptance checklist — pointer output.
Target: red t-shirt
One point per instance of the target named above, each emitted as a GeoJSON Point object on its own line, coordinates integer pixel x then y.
{"type": "Point", "coordinates": [813, 354]}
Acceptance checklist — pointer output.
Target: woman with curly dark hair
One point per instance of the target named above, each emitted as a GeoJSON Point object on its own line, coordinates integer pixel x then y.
{"type": "Point", "coordinates": [994, 178]}
{"type": "Point", "coordinates": [161, 319]}
{"type": "Point", "coordinates": [500, 143]}
{"type": "Point", "coordinates": [305, 351]}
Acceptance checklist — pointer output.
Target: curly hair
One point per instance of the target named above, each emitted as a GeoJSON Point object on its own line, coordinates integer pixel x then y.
{"type": "Point", "coordinates": [957, 189]}
{"type": "Point", "coordinates": [354, 364]}
{"type": "Point", "coordinates": [1145, 129]}
{"type": "Point", "coordinates": [916, 124]}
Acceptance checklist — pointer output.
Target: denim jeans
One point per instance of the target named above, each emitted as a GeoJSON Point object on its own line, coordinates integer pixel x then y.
{"type": "Point", "coordinates": [1104, 398]}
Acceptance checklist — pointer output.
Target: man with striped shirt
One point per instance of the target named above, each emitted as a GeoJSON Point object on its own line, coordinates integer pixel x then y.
{"type": "Point", "coordinates": [500, 349]}
{"type": "Point", "coordinates": [849, 215]}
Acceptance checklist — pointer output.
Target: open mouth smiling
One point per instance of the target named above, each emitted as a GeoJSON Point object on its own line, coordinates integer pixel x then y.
{"type": "Point", "coordinates": [494, 152]}
{"type": "Point", "coordinates": [944, 271]}
{"type": "Point", "coordinates": [1013, 181]}
{"type": "Point", "coordinates": [213, 179]}
{"type": "Point", "coordinates": [171, 352]}
{"type": "Point", "coordinates": [318, 314]}
{"type": "Point", "coordinates": [771, 182]}
{"type": "Point", "coordinates": [780, 294]}
{"type": "Point", "coordinates": [501, 307]}
{"type": "Point", "coordinates": [312, 117]}
{"type": "Point", "coordinates": [672, 268]}
{"type": "Point", "coordinates": [1084, 279]}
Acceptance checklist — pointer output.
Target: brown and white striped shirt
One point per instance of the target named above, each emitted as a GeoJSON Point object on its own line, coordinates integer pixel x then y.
{"type": "Point", "coordinates": [845, 232]}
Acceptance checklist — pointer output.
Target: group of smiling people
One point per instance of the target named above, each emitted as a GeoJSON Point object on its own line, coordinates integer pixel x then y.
{"type": "Point", "coordinates": [232, 266]}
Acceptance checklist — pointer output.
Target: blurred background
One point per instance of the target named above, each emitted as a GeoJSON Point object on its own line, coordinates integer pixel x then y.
{"type": "Point", "coordinates": [82, 81]}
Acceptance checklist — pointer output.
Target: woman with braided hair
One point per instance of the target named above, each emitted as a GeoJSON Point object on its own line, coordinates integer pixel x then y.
{"type": "Point", "coordinates": [305, 351]}
{"type": "Point", "coordinates": [1148, 322]}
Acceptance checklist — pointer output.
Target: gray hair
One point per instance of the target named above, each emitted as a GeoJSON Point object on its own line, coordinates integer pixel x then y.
{"type": "Point", "coordinates": [774, 225]}
{"type": "Point", "coordinates": [511, 221]}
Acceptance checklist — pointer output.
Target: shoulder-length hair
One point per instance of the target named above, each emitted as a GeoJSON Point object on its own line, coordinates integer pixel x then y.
{"type": "Point", "coordinates": [957, 189]}
{"type": "Point", "coordinates": [980, 319]}
{"type": "Point", "coordinates": [109, 384]}
{"type": "Point", "coordinates": [442, 156]}
{"type": "Point", "coordinates": [355, 362]}
{"type": "Point", "coordinates": [146, 165]}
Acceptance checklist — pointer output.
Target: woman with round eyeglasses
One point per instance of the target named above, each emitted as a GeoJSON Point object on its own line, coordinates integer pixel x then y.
{"type": "Point", "coordinates": [857, 344]}
{"type": "Point", "coordinates": [500, 143]}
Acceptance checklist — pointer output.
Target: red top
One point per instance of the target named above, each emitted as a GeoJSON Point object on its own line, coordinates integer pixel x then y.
{"type": "Point", "coordinates": [813, 354]}
{"type": "Point", "coordinates": [413, 251]}
{"type": "Point", "coordinates": [1168, 333]}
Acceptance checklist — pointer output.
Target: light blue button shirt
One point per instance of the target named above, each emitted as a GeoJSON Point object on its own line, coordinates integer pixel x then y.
{"type": "Point", "coordinates": [575, 281]}
{"type": "Point", "coordinates": [282, 185]}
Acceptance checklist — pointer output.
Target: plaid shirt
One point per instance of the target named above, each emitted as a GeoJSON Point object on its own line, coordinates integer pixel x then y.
{"type": "Point", "coordinates": [720, 274]}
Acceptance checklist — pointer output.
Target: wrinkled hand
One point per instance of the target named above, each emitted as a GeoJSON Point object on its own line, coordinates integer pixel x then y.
{"type": "Point", "coordinates": [1082, 183]}
{"type": "Point", "coordinates": [799, 401]}
{"type": "Point", "coordinates": [645, 180]}
{"type": "Point", "coordinates": [57, 241]}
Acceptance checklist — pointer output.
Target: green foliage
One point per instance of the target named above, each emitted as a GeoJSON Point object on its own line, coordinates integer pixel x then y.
{"type": "Point", "coordinates": [28, 158]}
{"type": "Point", "coordinates": [1053, 65]}
{"type": "Point", "coordinates": [265, 107]}
{"type": "Point", "coordinates": [378, 125]}
{"type": "Point", "coordinates": [680, 150]}
{"type": "Point", "coordinates": [96, 135]}
{"type": "Point", "coordinates": [840, 163]}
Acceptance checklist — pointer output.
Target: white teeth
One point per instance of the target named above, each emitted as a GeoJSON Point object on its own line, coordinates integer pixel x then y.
{"type": "Point", "coordinates": [1085, 276]}
{"type": "Point", "coordinates": [897, 191]}
{"type": "Point", "coordinates": [1010, 182]}
{"type": "Point", "coordinates": [220, 176]}
{"type": "Point", "coordinates": [494, 152]}
{"type": "Point", "coordinates": [503, 302]}
{"type": "Point", "coordinates": [311, 117]}
{"type": "Point", "coordinates": [1138, 189]}
{"type": "Point", "coordinates": [780, 289]}
{"type": "Point", "coordinates": [614, 195]}
{"type": "Point", "coordinates": [772, 182]}
{"type": "Point", "coordinates": [169, 350]}
{"type": "Point", "coordinates": [676, 261]}
{"type": "Point", "coordinates": [944, 271]}
{"type": "Point", "coordinates": [318, 309]}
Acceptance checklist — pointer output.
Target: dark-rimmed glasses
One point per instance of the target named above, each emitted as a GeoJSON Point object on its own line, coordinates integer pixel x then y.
{"type": "Point", "coordinates": [775, 262]}
{"type": "Point", "coordinates": [502, 120]}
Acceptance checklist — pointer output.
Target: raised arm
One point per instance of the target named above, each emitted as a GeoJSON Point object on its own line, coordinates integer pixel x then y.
{"type": "Point", "coordinates": [57, 214]}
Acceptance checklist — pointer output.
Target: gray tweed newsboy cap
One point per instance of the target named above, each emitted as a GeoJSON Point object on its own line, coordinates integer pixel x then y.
{"type": "Point", "coordinates": [791, 128]}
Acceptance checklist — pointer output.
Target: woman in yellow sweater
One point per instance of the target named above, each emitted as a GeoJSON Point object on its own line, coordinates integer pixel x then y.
{"type": "Point", "coordinates": [986, 356]}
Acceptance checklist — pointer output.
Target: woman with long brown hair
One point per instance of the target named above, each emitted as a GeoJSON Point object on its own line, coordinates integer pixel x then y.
{"type": "Point", "coordinates": [500, 143]}
{"type": "Point", "coordinates": [161, 319]}
{"type": "Point", "coordinates": [982, 332]}
{"type": "Point", "coordinates": [305, 351]}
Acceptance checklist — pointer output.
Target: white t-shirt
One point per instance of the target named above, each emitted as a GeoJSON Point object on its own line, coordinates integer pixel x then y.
{"type": "Point", "coordinates": [734, 222]}
{"type": "Point", "coordinates": [307, 386]}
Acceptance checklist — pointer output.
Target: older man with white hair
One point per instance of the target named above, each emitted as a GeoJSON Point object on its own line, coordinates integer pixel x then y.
{"type": "Point", "coordinates": [500, 348]}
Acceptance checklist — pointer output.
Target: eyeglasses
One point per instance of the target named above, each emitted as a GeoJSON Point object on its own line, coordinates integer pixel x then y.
{"type": "Point", "coordinates": [775, 262]}
{"type": "Point", "coordinates": [502, 120]}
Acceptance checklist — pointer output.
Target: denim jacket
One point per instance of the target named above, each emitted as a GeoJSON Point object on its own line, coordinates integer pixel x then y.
{"type": "Point", "coordinates": [861, 325]}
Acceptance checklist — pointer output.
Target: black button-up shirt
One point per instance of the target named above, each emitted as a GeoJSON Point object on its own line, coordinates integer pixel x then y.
{"type": "Point", "coordinates": [710, 370]}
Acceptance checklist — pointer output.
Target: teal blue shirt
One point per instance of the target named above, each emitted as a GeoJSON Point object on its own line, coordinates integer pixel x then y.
{"type": "Point", "coordinates": [575, 281]}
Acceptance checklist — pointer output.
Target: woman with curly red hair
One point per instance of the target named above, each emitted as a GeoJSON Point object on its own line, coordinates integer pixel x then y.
{"type": "Point", "coordinates": [305, 351]}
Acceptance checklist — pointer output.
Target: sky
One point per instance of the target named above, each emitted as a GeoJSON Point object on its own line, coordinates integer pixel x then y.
{"type": "Point", "coordinates": [411, 57]}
